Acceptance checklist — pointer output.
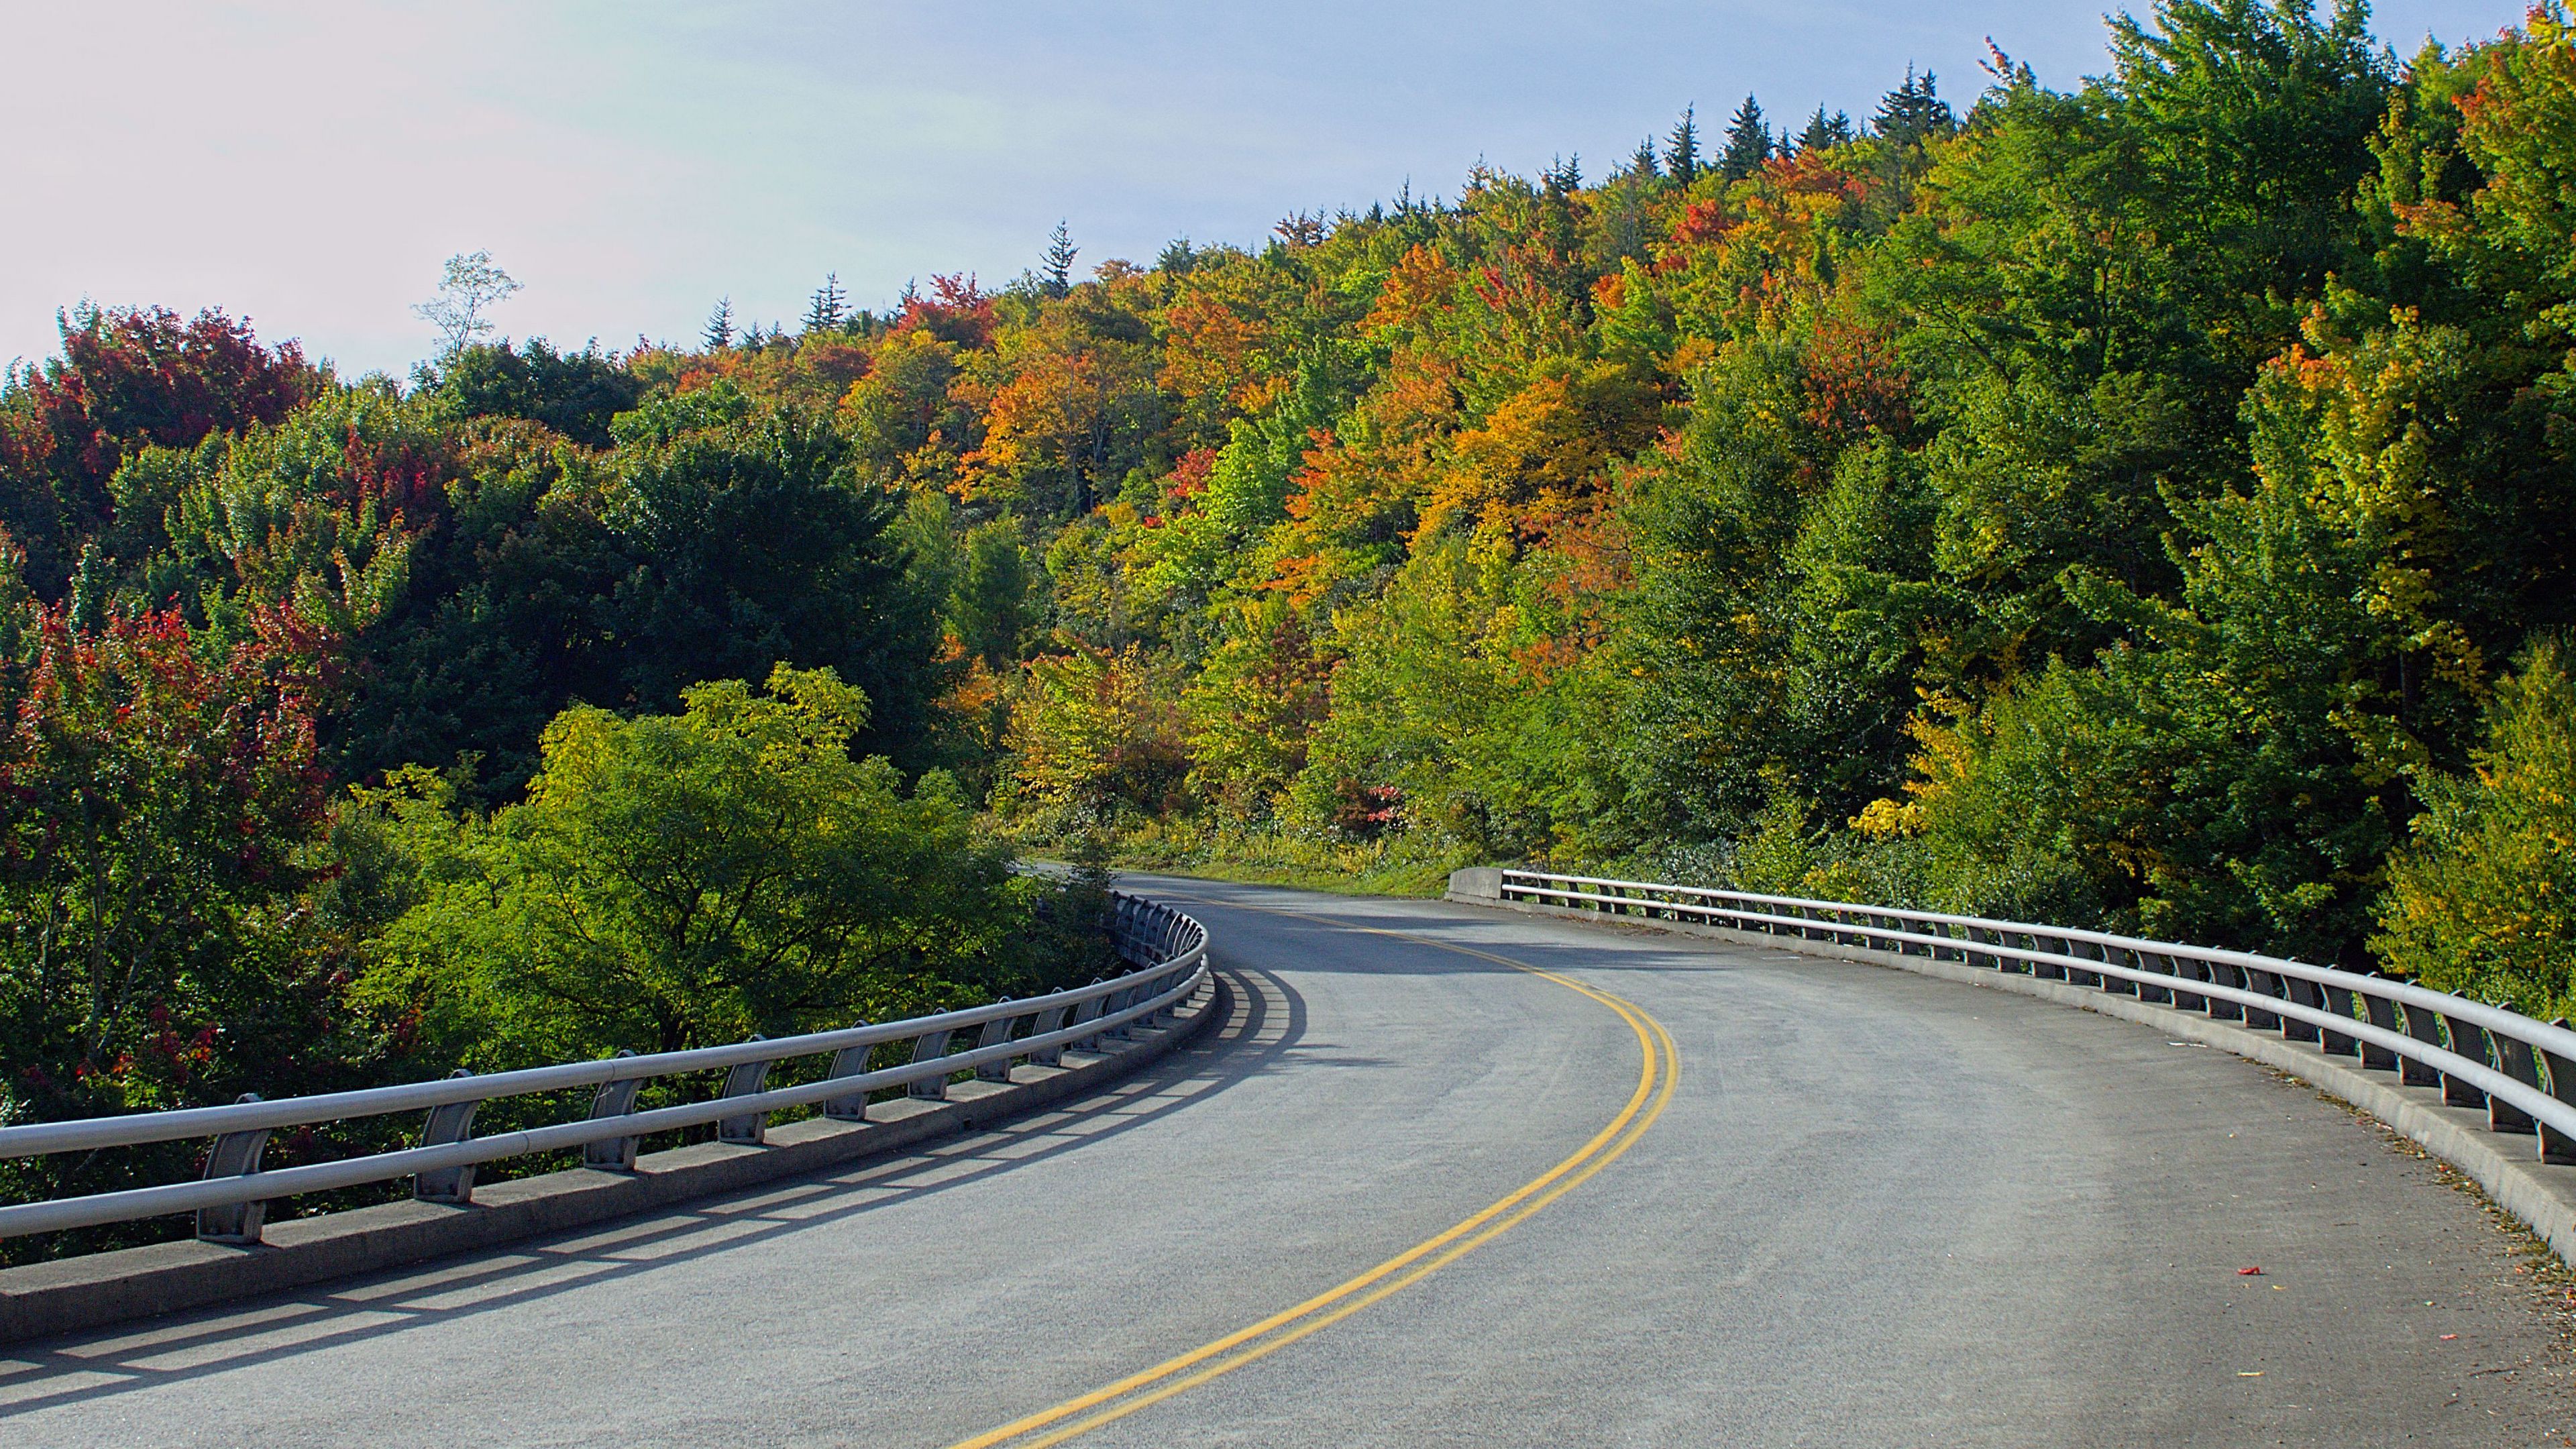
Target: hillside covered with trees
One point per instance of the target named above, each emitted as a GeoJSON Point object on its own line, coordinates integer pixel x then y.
{"type": "Point", "coordinates": [2151, 503]}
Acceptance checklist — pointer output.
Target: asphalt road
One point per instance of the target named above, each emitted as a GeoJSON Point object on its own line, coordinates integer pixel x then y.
{"type": "Point", "coordinates": [1867, 1209]}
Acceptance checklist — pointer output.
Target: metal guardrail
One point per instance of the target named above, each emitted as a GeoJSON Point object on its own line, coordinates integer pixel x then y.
{"type": "Point", "coordinates": [2522, 1071]}
{"type": "Point", "coordinates": [1169, 948]}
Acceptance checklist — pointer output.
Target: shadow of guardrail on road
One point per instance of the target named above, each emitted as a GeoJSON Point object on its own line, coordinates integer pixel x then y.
{"type": "Point", "coordinates": [1265, 1022]}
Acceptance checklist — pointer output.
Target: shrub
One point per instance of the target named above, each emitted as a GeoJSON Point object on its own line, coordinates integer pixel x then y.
{"type": "Point", "coordinates": [2482, 901]}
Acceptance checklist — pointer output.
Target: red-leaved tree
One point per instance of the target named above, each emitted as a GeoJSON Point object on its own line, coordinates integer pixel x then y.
{"type": "Point", "coordinates": [155, 807]}
{"type": "Point", "coordinates": [127, 377]}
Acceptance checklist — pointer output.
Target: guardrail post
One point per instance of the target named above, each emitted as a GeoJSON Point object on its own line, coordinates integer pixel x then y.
{"type": "Point", "coordinates": [2383, 1014]}
{"type": "Point", "coordinates": [930, 1046]}
{"type": "Point", "coordinates": [235, 1154]}
{"type": "Point", "coordinates": [2222, 973]}
{"type": "Point", "coordinates": [2302, 992]}
{"type": "Point", "coordinates": [996, 1032]}
{"type": "Point", "coordinates": [1088, 1010]}
{"type": "Point", "coordinates": [614, 1099]}
{"type": "Point", "coordinates": [2420, 1025]}
{"type": "Point", "coordinates": [2150, 991]}
{"type": "Point", "coordinates": [1049, 1020]}
{"type": "Point", "coordinates": [849, 1062]}
{"type": "Point", "coordinates": [1968, 953]}
{"type": "Point", "coordinates": [2112, 956]}
{"type": "Point", "coordinates": [2339, 1005]}
{"type": "Point", "coordinates": [2469, 1040]}
{"type": "Point", "coordinates": [2187, 970]}
{"type": "Point", "coordinates": [751, 1129]}
{"type": "Point", "coordinates": [450, 1123]}
{"type": "Point", "coordinates": [2514, 1058]}
{"type": "Point", "coordinates": [2261, 983]}
{"type": "Point", "coordinates": [2556, 1147]}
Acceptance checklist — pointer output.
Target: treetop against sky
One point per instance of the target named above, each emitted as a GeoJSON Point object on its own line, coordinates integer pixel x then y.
{"type": "Point", "coordinates": [310, 166]}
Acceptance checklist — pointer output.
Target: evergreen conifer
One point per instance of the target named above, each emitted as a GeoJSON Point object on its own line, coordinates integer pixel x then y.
{"type": "Point", "coordinates": [1748, 142]}
{"type": "Point", "coordinates": [1914, 112]}
{"type": "Point", "coordinates": [1825, 132]}
{"type": "Point", "coordinates": [1058, 262]}
{"type": "Point", "coordinates": [824, 313]}
{"type": "Point", "coordinates": [1681, 151]}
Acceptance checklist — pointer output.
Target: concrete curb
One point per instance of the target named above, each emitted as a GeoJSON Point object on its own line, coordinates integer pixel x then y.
{"type": "Point", "coordinates": [2541, 1196]}
{"type": "Point", "coordinates": [42, 1300]}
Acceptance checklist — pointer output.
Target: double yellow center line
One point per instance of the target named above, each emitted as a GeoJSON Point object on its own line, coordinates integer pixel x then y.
{"type": "Point", "coordinates": [1655, 1076]}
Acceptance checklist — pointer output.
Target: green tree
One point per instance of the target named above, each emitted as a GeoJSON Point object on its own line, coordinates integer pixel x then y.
{"type": "Point", "coordinates": [992, 605]}
{"type": "Point", "coordinates": [1681, 149]}
{"type": "Point", "coordinates": [161, 790]}
{"type": "Point", "coordinates": [682, 880]}
{"type": "Point", "coordinates": [1056, 265]}
{"type": "Point", "coordinates": [1914, 113]}
{"type": "Point", "coordinates": [1748, 142]}
{"type": "Point", "coordinates": [1094, 735]}
{"type": "Point", "coordinates": [2482, 900]}
{"type": "Point", "coordinates": [468, 286]}
{"type": "Point", "coordinates": [829, 305]}
{"type": "Point", "coordinates": [1823, 132]}
{"type": "Point", "coordinates": [574, 393]}
{"type": "Point", "coordinates": [750, 540]}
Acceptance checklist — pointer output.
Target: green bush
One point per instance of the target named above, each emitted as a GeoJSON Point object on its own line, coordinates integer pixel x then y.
{"type": "Point", "coordinates": [2482, 901]}
{"type": "Point", "coordinates": [677, 881]}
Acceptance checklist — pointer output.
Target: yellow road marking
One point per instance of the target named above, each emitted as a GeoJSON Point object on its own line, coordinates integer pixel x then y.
{"type": "Point", "coordinates": [1656, 1074]}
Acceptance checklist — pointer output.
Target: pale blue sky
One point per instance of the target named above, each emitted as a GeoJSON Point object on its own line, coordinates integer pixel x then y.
{"type": "Point", "coordinates": [309, 165]}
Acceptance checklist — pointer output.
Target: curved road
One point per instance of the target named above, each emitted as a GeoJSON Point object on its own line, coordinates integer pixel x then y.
{"type": "Point", "coordinates": [1867, 1208]}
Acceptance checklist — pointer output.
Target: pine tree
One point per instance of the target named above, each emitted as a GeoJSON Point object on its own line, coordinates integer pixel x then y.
{"type": "Point", "coordinates": [824, 313]}
{"type": "Point", "coordinates": [1681, 151]}
{"type": "Point", "coordinates": [1914, 112]}
{"type": "Point", "coordinates": [719, 333]}
{"type": "Point", "coordinates": [1748, 142]}
{"type": "Point", "coordinates": [1825, 132]}
{"type": "Point", "coordinates": [1058, 263]}
{"type": "Point", "coordinates": [1641, 167]}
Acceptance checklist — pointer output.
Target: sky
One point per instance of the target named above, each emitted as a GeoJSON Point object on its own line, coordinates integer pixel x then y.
{"type": "Point", "coordinates": [309, 166]}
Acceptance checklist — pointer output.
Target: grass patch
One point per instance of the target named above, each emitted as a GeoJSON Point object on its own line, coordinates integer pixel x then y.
{"type": "Point", "coordinates": [1399, 865]}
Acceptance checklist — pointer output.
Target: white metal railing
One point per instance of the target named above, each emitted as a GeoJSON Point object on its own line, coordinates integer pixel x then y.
{"type": "Point", "coordinates": [2521, 1070]}
{"type": "Point", "coordinates": [1169, 949]}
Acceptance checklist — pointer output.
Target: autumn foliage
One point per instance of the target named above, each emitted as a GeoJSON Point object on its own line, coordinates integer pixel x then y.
{"type": "Point", "coordinates": [2145, 504]}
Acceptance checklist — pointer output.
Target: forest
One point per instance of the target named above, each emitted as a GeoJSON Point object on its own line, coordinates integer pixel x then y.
{"type": "Point", "coordinates": [2148, 504]}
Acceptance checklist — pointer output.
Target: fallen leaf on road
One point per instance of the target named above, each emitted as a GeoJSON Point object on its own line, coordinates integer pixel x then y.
{"type": "Point", "coordinates": [2446, 1338]}
{"type": "Point", "coordinates": [2256, 1374]}
{"type": "Point", "coordinates": [2249, 1272]}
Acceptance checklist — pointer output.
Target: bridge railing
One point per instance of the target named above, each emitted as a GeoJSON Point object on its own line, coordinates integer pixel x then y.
{"type": "Point", "coordinates": [2522, 1071]}
{"type": "Point", "coordinates": [1168, 948]}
